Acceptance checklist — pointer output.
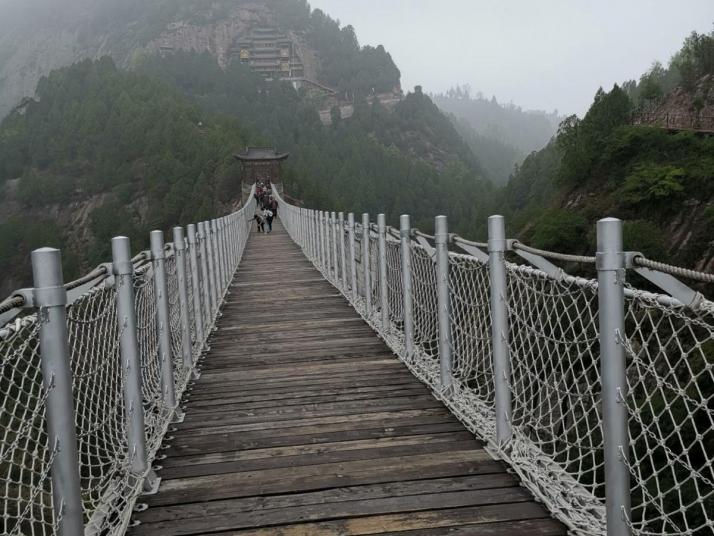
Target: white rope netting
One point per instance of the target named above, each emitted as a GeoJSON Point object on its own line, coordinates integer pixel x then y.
{"type": "Point", "coordinates": [109, 488]}
{"type": "Point", "coordinates": [554, 353]}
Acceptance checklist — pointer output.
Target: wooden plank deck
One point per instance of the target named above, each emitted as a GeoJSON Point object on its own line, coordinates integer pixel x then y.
{"type": "Point", "coordinates": [304, 423]}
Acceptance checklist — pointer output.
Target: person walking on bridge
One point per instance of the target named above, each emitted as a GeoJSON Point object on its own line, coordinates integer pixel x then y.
{"type": "Point", "coordinates": [273, 205]}
{"type": "Point", "coordinates": [269, 215]}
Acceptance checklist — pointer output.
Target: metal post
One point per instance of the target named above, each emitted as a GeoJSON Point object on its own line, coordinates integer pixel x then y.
{"type": "Point", "coordinates": [499, 326]}
{"type": "Point", "coordinates": [123, 272]}
{"type": "Point", "coordinates": [207, 294]}
{"type": "Point", "coordinates": [211, 257]}
{"type": "Point", "coordinates": [163, 318]}
{"type": "Point", "coordinates": [353, 260]}
{"type": "Point", "coordinates": [224, 252]}
{"type": "Point", "coordinates": [384, 305]}
{"type": "Point", "coordinates": [220, 261]}
{"type": "Point", "coordinates": [51, 298]}
{"type": "Point", "coordinates": [328, 254]}
{"type": "Point", "coordinates": [180, 249]}
{"type": "Point", "coordinates": [198, 318]}
{"type": "Point", "coordinates": [366, 275]}
{"type": "Point", "coordinates": [341, 238]}
{"type": "Point", "coordinates": [323, 239]}
{"type": "Point", "coordinates": [335, 266]}
{"type": "Point", "coordinates": [215, 238]}
{"type": "Point", "coordinates": [318, 234]}
{"type": "Point", "coordinates": [611, 315]}
{"type": "Point", "coordinates": [405, 239]}
{"type": "Point", "coordinates": [441, 240]}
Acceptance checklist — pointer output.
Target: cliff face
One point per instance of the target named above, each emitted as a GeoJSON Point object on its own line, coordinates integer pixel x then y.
{"type": "Point", "coordinates": [29, 52]}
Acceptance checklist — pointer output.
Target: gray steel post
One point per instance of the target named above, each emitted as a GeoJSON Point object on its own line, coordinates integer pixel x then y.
{"type": "Point", "coordinates": [207, 294]}
{"type": "Point", "coordinates": [226, 250]}
{"type": "Point", "coordinates": [341, 238]}
{"type": "Point", "coordinates": [335, 266]}
{"type": "Point", "coordinates": [318, 235]}
{"type": "Point", "coordinates": [328, 255]}
{"type": "Point", "coordinates": [611, 315]}
{"type": "Point", "coordinates": [211, 257]}
{"type": "Point", "coordinates": [353, 259]}
{"type": "Point", "coordinates": [220, 261]}
{"type": "Point", "coordinates": [310, 240]}
{"type": "Point", "coordinates": [198, 318]}
{"type": "Point", "coordinates": [215, 237]}
{"type": "Point", "coordinates": [499, 326]}
{"type": "Point", "coordinates": [51, 298]}
{"type": "Point", "coordinates": [129, 347]}
{"type": "Point", "coordinates": [315, 238]}
{"type": "Point", "coordinates": [180, 249]}
{"type": "Point", "coordinates": [123, 271]}
{"type": "Point", "coordinates": [366, 272]}
{"type": "Point", "coordinates": [163, 318]}
{"type": "Point", "coordinates": [441, 240]}
{"type": "Point", "coordinates": [384, 301]}
{"type": "Point", "coordinates": [318, 250]}
{"type": "Point", "coordinates": [323, 240]}
{"type": "Point", "coordinates": [405, 239]}
{"type": "Point", "coordinates": [230, 245]}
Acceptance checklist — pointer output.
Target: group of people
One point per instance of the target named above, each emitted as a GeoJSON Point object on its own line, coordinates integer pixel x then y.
{"type": "Point", "coordinates": [266, 208]}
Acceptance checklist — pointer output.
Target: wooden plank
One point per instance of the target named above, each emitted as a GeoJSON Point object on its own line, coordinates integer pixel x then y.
{"type": "Point", "coordinates": [312, 477]}
{"type": "Point", "coordinates": [476, 516]}
{"type": "Point", "coordinates": [303, 422]}
{"type": "Point", "coordinates": [185, 446]}
{"type": "Point", "coordinates": [231, 520]}
{"type": "Point", "coordinates": [332, 495]}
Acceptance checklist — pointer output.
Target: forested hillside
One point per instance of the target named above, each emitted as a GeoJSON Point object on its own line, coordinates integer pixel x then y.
{"type": "Point", "coordinates": [102, 152]}
{"type": "Point", "coordinates": [409, 159]}
{"type": "Point", "coordinates": [661, 182]}
{"type": "Point", "coordinates": [500, 135]}
{"type": "Point", "coordinates": [104, 149]}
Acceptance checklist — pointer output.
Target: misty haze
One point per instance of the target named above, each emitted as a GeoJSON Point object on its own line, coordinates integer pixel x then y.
{"type": "Point", "coordinates": [348, 267]}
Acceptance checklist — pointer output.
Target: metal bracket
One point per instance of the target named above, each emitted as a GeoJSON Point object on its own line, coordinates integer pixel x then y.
{"type": "Point", "coordinates": [152, 481]}
{"type": "Point", "coordinates": [671, 285]}
{"type": "Point", "coordinates": [473, 250]}
{"type": "Point", "coordinates": [423, 242]}
{"type": "Point", "coordinates": [27, 294]}
{"type": "Point", "coordinates": [553, 271]}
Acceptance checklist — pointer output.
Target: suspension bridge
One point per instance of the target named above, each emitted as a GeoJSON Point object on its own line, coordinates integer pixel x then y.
{"type": "Point", "coordinates": [345, 377]}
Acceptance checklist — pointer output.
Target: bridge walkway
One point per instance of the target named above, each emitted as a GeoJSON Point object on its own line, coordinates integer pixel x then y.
{"type": "Point", "coordinates": [304, 423]}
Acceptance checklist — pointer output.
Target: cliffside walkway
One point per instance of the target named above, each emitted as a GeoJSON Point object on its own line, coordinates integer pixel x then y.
{"type": "Point", "coordinates": [303, 422]}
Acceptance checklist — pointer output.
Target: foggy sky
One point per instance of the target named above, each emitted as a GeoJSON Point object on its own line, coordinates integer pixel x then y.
{"type": "Point", "coordinates": [540, 54]}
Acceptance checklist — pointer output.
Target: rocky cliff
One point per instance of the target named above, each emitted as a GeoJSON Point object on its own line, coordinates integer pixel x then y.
{"type": "Point", "coordinates": [31, 49]}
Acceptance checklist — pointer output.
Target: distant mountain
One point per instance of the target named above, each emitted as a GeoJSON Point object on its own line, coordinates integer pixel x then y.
{"type": "Point", "coordinates": [500, 135]}
{"type": "Point", "coordinates": [524, 130]}
{"type": "Point", "coordinates": [38, 36]}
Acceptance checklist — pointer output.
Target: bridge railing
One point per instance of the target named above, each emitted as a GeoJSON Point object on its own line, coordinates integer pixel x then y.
{"type": "Point", "coordinates": [92, 373]}
{"type": "Point", "coordinates": [598, 394]}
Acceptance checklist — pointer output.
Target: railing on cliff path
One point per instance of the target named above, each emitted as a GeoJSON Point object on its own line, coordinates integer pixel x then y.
{"type": "Point", "coordinates": [91, 372]}
{"type": "Point", "coordinates": [599, 395]}
{"type": "Point", "coordinates": [674, 121]}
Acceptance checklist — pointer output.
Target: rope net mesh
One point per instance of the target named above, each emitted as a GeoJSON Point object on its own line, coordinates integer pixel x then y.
{"type": "Point", "coordinates": [557, 444]}
{"type": "Point", "coordinates": [109, 489]}
{"type": "Point", "coordinates": [25, 456]}
{"type": "Point", "coordinates": [670, 374]}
